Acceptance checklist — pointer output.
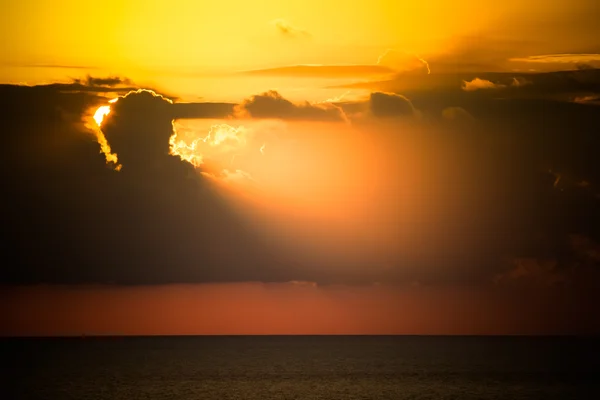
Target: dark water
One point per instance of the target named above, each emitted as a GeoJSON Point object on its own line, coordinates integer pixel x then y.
{"type": "Point", "coordinates": [301, 367]}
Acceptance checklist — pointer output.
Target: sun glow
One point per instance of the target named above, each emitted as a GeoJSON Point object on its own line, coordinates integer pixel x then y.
{"type": "Point", "coordinates": [187, 152]}
{"type": "Point", "coordinates": [223, 133]}
{"type": "Point", "coordinates": [100, 113]}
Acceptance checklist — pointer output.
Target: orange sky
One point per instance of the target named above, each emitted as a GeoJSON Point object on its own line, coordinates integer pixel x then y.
{"type": "Point", "coordinates": [283, 308]}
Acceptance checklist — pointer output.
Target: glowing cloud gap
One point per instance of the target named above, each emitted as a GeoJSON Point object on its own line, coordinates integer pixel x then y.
{"type": "Point", "coordinates": [187, 152]}
{"type": "Point", "coordinates": [223, 136]}
{"type": "Point", "coordinates": [222, 133]}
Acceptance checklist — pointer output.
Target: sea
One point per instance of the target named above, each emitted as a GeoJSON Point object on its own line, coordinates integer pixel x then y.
{"type": "Point", "coordinates": [301, 367]}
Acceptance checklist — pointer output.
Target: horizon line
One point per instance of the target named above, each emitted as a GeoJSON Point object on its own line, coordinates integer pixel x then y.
{"type": "Point", "coordinates": [104, 336]}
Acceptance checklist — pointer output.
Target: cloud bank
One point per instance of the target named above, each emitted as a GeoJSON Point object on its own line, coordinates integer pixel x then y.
{"type": "Point", "coordinates": [407, 196]}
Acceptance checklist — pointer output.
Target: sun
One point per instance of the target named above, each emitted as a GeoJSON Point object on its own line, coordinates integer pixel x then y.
{"type": "Point", "coordinates": [100, 113]}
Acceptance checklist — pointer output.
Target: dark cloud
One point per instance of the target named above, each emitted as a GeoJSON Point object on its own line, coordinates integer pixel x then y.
{"type": "Point", "coordinates": [138, 128]}
{"type": "Point", "coordinates": [108, 81]}
{"type": "Point", "coordinates": [272, 105]}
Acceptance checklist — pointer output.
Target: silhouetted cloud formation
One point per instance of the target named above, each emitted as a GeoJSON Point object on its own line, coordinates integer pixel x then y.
{"type": "Point", "coordinates": [138, 128]}
{"type": "Point", "coordinates": [155, 221]}
{"type": "Point", "coordinates": [520, 184]}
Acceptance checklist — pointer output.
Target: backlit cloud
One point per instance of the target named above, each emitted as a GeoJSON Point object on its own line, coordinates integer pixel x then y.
{"type": "Point", "coordinates": [478, 84]}
{"type": "Point", "coordinates": [402, 61]}
{"type": "Point", "coordinates": [390, 105]}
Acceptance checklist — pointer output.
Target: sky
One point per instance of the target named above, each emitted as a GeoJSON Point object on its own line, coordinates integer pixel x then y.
{"type": "Point", "coordinates": [295, 168]}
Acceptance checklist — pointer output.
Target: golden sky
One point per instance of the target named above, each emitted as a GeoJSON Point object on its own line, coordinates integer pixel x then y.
{"type": "Point", "coordinates": [139, 35]}
{"type": "Point", "coordinates": [234, 34]}
{"type": "Point", "coordinates": [179, 46]}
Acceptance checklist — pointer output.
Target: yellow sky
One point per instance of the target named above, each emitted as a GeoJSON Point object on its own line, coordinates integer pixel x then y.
{"type": "Point", "coordinates": [162, 44]}
{"type": "Point", "coordinates": [140, 33]}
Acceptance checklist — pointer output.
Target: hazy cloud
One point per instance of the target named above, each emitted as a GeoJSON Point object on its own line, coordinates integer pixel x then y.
{"type": "Point", "coordinates": [401, 61]}
{"type": "Point", "coordinates": [591, 99]}
{"type": "Point", "coordinates": [457, 114]}
{"type": "Point", "coordinates": [288, 30]}
{"type": "Point", "coordinates": [560, 58]}
{"type": "Point", "coordinates": [520, 81]}
{"type": "Point", "coordinates": [532, 271]}
{"type": "Point", "coordinates": [587, 249]}
{"type": "Point", "coordinates": [390, 105]}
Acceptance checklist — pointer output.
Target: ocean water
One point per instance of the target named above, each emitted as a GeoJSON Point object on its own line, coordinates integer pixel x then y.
{"type": "Point", "coordinates": [301, 367]}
